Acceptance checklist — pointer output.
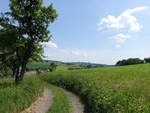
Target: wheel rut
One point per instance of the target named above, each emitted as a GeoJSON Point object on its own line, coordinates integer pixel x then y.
{"type": "Point", "coordinates": [75, 103]}
{"type": "Point", "coordinates": [42, 104]}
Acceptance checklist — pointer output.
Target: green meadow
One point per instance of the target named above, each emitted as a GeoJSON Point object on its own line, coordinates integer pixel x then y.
{"type": "Point", "coordinates": [14, 99]}
{"type": "Point", "coordinates": [123, 89]}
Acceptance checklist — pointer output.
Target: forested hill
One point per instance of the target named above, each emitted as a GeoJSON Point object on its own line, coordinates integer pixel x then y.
{"type": "Point", "coordinates": [76, 65]}
{"type": "Point", "coordinates": [46, 64]}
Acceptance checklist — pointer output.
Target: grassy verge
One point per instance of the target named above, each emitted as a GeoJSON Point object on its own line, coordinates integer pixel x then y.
{"type": "Point", "coordinates": [13, 99]}
{"type": "Point", "coordinates": [60, 100]}
{"type": "Point", "coordinates": [108, 90]}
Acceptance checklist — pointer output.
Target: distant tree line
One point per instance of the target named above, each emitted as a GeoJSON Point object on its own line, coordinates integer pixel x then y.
{"type": "Point", "coordinates": [147, 60]}
{"type": "Point", "coordinates": [132, 61]}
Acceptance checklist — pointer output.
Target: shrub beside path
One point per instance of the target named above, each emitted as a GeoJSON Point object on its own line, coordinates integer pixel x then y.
{"type": "Point", "coordinates": [42, 104]}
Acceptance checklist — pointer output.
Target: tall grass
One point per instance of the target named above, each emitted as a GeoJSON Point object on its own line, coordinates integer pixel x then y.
{"type": "Point", "coordinates": [14, 99]}
{"type": "Point", "coordinates": [108, 90]}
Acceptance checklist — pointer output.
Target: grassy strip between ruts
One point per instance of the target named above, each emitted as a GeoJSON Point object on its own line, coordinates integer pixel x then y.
{"type": "Point", "coordinates": [14, 99]}
{"type": "Point", "coordinates": [108, 90]}
{"type": "Point", "coordinates": [60, 100]}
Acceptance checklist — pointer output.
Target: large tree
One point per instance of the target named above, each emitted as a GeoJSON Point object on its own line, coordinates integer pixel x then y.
{"type": "Point", "coordinates": [29, 21]}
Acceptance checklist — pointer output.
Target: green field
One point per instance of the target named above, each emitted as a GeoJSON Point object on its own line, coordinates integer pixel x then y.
{"type": "Point", "coordinates": [14, 99]}
{"type": "Point", "coordinates": [108, 90]}
{"type": "Point", "coordinates": [123, 89]}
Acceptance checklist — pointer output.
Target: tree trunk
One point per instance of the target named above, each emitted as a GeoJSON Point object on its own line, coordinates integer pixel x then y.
{"type": "Point", "coordinates": [23, 60]}
{"type": "Point", "coordinates": [23, 69]}
{"type": "Point", "coordinates": [20, 73]}
{"type": "Point", "coordinates": [17, 77]}
{"type": "Point", "coordinates": [14, 71]}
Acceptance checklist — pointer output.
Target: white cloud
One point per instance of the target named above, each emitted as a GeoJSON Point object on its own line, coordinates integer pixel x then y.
{"type": "Point", "coordinates": [118, 46]}
{"type": "Point", "coordinates": [121, 38]}
{"type": "Point", "coordinates": [125, 20]}
{"type": "Point", "coordinates": [50, 44]}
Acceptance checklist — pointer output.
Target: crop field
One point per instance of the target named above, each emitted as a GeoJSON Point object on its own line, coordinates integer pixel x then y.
{"type": "Point", "coordinates": [108, 90]}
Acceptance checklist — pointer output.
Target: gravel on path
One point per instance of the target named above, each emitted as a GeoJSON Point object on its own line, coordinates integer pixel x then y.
{"type": "Point", "coordinates": [42, 104]}
{"type": "Point", "coordinates": [75, 103]}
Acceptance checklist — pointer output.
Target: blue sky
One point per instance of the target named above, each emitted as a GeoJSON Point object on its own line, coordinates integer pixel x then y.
{"type": "Point", "coordinates": [99, 31]}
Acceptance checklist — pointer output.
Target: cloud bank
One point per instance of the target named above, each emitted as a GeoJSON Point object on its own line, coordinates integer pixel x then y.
{"type": "Point", "coordinates": [126, 20]}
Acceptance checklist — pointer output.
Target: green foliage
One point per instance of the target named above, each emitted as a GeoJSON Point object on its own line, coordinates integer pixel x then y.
{"type": "Point", "coordinates": [14, 99]}
{"type": "Point", "coordinates": [5, 70]}
{"type": "Point", "coordinates": [147, 60]}
{"type": "Point", "coordinates": [130, 61]}
{"type": "Point", "coordinates": [33, 17]}
{"type": "Point", "coordinates": [7, 40]}
{"type": "Point", "coordinates": [108, 90]}
{"type": "Point", "coordinates": [24, 28]}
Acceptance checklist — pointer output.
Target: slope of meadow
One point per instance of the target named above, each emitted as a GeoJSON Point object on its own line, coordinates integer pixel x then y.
{"type": "Point", "coordinates": [108, 90]}
{"type": "Point", "coordinates": [14, 99]}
